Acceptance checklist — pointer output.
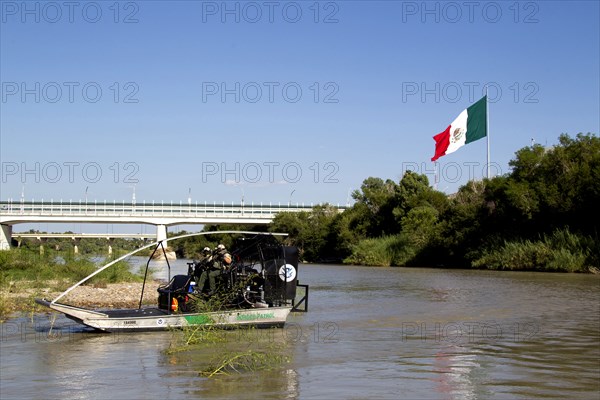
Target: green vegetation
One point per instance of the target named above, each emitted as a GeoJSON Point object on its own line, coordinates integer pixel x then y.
{"type": "Point", "coordinates": [560, 251]}
{"type": "Point", "coordinates": [543, 216]}
{"type": "Point", "coordinates": [26, 271]}
{"type": "Point", "coordinates": [238, 351]}
{"type": "Point", "coordinates": [222, 352]}
{"type": "Point", "coordinates": [250, 360]}
{"type": "Point", "coordinates": [38, 270]}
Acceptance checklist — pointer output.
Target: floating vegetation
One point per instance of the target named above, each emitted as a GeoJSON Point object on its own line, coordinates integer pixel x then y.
{"type": "Point", "coordinates": [225, 352]}
{"type": "Point", "coordinates": [247, 361]}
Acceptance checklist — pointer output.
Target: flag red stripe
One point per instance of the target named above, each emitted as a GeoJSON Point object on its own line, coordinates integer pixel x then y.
{"type": "Point", "coordinates": [442, 141]}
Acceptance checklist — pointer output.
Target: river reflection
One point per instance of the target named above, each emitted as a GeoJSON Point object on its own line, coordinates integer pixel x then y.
{"type": "Point", "coordinates": [369, 333]}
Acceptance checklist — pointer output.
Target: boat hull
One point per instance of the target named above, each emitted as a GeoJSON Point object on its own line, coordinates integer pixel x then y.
{"type": "Point", "coordinates": [154, 319]}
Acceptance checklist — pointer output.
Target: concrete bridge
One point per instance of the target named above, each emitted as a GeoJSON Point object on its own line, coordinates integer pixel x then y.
{"type": "Point", "coordinates": [161, 214]}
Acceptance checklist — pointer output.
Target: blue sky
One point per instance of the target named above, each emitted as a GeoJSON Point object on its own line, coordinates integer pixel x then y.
{"type": "Point", "coordinates": [217, 100]}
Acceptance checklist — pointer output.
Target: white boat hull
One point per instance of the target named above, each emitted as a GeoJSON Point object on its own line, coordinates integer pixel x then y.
{"type": "Point", "coordinates": [154, 319]}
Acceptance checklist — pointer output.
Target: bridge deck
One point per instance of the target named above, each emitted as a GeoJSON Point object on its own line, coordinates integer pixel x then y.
{"type": "Point", "coordinates": [160, 214]}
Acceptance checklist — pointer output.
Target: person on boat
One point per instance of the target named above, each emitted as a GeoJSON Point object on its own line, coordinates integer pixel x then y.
{"type": "Point", "coordinates": [202, 264]}
{"type": "Point", "coordinates": [221, 261]}
{"type": "Point", "coordinates": [206, 254]}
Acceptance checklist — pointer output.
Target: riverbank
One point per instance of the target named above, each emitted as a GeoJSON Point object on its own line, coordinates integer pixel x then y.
{"type": "Point", "coordinates": [26, 275]}
{"type": "Point", "coordinates": [14, 299]}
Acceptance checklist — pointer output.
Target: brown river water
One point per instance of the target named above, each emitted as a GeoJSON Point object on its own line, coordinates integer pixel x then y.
{"type": "Point", "coordinates": [376, 333]}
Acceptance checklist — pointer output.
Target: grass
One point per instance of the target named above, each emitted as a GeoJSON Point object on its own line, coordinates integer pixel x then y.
{"type": "Point", "coordinates": [25, 265]}
{"type": "Point", "coordinates": [382, 252]}
{"type": "Point", "coordinates": [561, 251]}
{"type": "Point", "coordinates": [23, 270]}
{"type": "Point", "coordinates": [374, 252]}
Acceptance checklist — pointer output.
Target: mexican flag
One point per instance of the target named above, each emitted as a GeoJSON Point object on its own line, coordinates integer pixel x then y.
{"type": "Point", "coordinates": [468, 127]}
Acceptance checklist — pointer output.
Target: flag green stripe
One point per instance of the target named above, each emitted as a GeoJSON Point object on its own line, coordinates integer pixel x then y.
{"type": "Point", "coordinates": [476, 123]}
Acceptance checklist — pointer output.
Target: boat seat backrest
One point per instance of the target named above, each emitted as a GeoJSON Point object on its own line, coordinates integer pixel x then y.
{"type": "Point", "coordinates": [179, 283]}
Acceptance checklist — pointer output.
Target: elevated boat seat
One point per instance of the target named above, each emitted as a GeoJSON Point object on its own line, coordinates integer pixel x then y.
{"type": "Point", "coordinates": [177, 288]}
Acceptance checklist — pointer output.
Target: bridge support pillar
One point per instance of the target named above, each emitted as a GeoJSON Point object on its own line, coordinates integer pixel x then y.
{"type": "Point", "coordinates": [76, 245]}
{"type": "Point", "coordinates": [161, 234]}
{"type": "Point", "coordinates": [42, 241]}
{"type": "Point", "coordinates": [5, 236]}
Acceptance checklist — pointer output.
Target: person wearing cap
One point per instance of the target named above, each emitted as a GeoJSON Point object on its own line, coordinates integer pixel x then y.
{"type": "Point", "coordinates": [203, 262]}
{"type": "Point", "coordinates": [221, 261]}
{"type": "Point", "coordinates": [220, 250]}
{"type": "Point", "coordinates": [206, 255]}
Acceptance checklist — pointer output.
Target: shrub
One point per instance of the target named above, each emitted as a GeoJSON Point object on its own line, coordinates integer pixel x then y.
{"type": "Point", "coordinates": [560, 251]}
{"type": "Point", "coordinates": [383, 252]}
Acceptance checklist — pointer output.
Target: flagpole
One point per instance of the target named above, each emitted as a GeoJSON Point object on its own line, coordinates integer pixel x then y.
{"type": "Point", "coordinates": [487, 131]}
{"type": "Point", "coordinates": [435, 175]}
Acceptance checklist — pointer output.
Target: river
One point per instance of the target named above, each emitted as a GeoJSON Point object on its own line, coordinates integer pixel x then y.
{"type": "Point", "coordinates": [374, 333]}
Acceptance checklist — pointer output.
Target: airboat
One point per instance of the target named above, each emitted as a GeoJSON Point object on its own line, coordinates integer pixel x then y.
{"type": "Point", "coordinates": [259, 289]}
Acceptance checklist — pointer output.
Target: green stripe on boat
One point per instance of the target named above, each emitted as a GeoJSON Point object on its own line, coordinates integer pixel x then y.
{"type": "Point", "coordinates": [198, 319]}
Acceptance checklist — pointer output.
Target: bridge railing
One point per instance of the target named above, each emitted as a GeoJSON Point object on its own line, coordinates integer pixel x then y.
{"type": "Point", "coordinates": [147, 209]}
{"type": "Point", "coordinates": [85, 235]}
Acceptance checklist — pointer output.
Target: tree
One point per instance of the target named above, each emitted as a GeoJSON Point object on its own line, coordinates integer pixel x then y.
{"type": "Point", "coordinates": [374, 207]}
{"type": "Point", "coordinates": [414, 191]}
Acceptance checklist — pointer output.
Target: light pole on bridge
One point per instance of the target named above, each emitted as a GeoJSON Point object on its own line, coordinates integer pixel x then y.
{"type": "Point", "coordinates": [242, 189]}
{"type": "Point", "coordinates": [132, 198]}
